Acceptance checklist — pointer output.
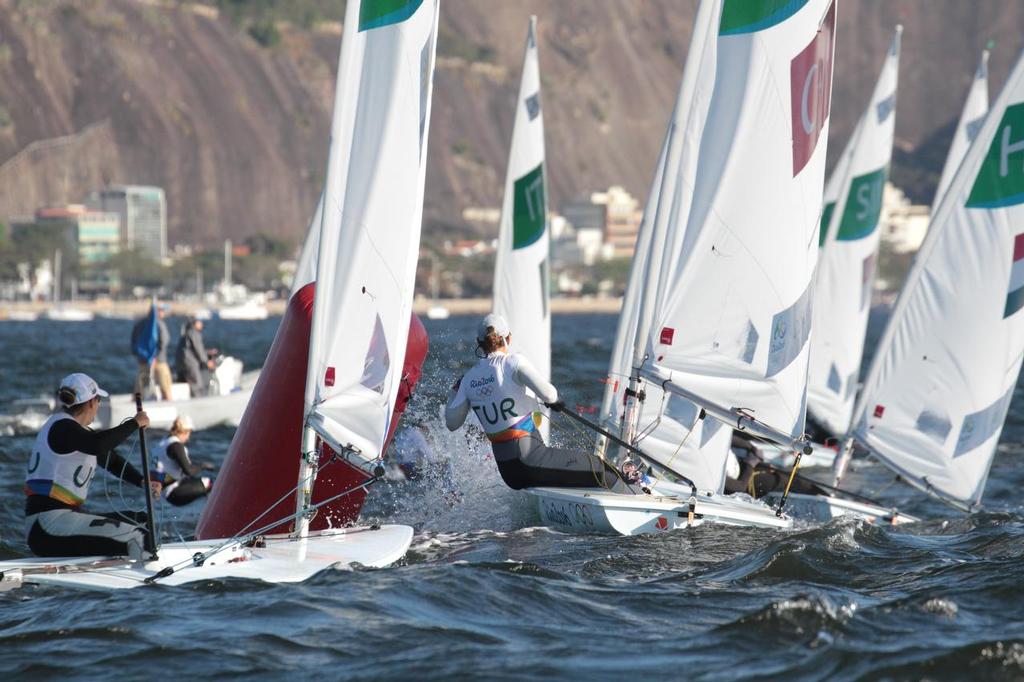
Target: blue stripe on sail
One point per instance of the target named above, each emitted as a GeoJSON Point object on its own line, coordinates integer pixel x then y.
{"type": "Point", "coordinates": [790, 330]}
{"type": "Point", "coordinates": [1014, 302]}
{"type": "Point", "coordinates": [775, 16]}
{"type": "Point", "coordinates": [982, 425]}
{"type": "Point", "coordinates": [1002, 202]}
{"type": "Point", "coordinates": [374, 15]}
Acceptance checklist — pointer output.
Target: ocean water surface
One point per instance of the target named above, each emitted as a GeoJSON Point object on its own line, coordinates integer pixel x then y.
{"type": "Point", "coordinates": [486, 593]}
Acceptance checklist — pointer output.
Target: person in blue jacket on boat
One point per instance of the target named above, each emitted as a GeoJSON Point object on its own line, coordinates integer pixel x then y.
{"type": "Point", "coordinates": [63, 463]}
{"type": "Point", "coordinates": [505, 392]}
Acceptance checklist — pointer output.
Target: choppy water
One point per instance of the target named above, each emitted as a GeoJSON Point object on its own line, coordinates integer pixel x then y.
{"type": "Point", "coordinates": [485, 593]}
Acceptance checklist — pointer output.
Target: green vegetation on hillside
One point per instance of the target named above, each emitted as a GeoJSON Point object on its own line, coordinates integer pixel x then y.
{"type": "Point", "coordinates": [305, 13]}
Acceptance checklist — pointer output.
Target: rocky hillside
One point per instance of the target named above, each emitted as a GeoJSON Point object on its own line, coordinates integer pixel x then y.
{"type": "Point", "coordinates": [170, 93]}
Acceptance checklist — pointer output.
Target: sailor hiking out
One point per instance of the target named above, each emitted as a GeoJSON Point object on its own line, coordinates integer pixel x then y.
{"type": "Point", "coordinates": [504, 391]}
{"type": "Point", "coordinates": [60, 468]}
{"type": "Point", "coordinates": [178, 473]}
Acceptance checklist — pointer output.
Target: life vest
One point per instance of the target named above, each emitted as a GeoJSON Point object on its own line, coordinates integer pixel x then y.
{"type": "Point", "coordinates": [505, 409]}
{"type": "Point", "coordinates": [167, 465]}
{"type": "Point", "coordinates": [62, 477]}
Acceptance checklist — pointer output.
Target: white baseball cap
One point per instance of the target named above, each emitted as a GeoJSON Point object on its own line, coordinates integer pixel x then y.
{"type": "Point", "coordinates": [185, 423]}
{"type": "Point", "coordinates": [83, 386]}
{"type": "Point", "coordinates": [494, 322]}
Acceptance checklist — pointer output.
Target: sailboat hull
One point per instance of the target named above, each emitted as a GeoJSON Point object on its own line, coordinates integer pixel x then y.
{"type": "Point", "coordinates": [281, 560]}
{"type": "Point", "coordinates": [593, 510]}
{"type": "Point", "coordinates": [822, 509]}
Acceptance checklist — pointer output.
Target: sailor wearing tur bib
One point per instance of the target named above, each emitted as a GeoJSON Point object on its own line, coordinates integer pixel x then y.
{"type": "Point", "coordinates": [504, 391]}
{"type": "Point", "coordinates": [63, 463]}
{"type": "Point", "coordinates": [180, 476]}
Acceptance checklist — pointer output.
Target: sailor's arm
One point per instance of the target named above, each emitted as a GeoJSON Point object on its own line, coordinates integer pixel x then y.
{"type": "Point", "coordinates": [457, 409]}
{"type": "Point", "coordinates": [178, 453]}
{"type": "Point", "coordinates": [68, 436]}
{"type": "Point", "coordinates": [525, 374]}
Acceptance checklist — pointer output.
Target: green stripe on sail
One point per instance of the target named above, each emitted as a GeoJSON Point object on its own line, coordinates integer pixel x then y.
{"type": "Point", "coordinates": [1000, 180]}
{"type": "Point", "coordinates": [826, 218]}
{"type": "Point", "coordinates": [863, 206]}
{"type": "Point", "coordinates": [377, 13]}
{"type": "Point", "coordinates": [748, 16]}
{"type": "Point", "coordinates": [528, 208]}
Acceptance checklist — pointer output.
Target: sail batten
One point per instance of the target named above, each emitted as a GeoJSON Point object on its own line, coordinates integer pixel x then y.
{"type": "Point", "coordinates": [938, 392]}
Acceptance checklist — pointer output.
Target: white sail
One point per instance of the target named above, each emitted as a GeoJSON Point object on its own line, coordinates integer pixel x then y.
{"type": "Point", "coordinates": [305, 268]}
{"type": "Point", "coordinates": [621, 364]}
{"type": "Point", "coordinates": [666, 427]}
{"type": "Point", "coordinates": [370, 229]}
{"type": "Point", "coordinates": [937, 395]}
{"type": "Point", "coordinates": [846, 272]}
{"type": "Point", "coordinates": [521, 292]}
{"type": "Point", "coordinates": [967, 128]}
{"type": "Point", "coordinates": [732, 291]}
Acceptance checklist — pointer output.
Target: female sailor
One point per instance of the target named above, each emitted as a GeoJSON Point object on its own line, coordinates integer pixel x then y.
{"type": "Point", "coordinates": [503, 389]}
{"type": "Point", "coordinates": [181, 479]}
{"type": "Point", "coordinates": [60, 469]}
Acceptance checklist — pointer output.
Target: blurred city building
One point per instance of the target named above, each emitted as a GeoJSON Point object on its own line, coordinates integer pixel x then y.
{"type": "Point", "coordinates": [142, 211]}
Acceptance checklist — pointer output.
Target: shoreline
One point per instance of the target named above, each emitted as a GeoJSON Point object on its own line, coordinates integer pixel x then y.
{"type": "Point", "coordinates": [455, 306]}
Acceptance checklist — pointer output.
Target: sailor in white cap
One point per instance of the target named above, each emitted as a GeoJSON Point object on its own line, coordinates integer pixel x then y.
{"type": "Point", "coordinates": [505, 392]}
{"type": "Point", "coordinates": [60, 469]}
{"type": "Point", "coordinates": [179, 474]}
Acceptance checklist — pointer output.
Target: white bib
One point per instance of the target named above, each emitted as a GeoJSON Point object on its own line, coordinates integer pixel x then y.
{"type": "Point", "coordinates": [498, 402]}
{"type": "Point", "coordinates": [165, 464]}
{"type": "Point", "coordinates": [64, 477]}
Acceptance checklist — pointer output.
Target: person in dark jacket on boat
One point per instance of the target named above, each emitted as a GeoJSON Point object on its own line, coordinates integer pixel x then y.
{"type": "Point", "coordinates": [758, 478]}
{"type": "Point", "coordinates": [61, 467]}
{"type": "Point", "coordinates": [191, 361]}
{"type": "Point", "coordinates": [504, 391]}
{"type": "Point", "coordinates": [155, 369]}
{"type": "Point", "coordinates": [180, 475]}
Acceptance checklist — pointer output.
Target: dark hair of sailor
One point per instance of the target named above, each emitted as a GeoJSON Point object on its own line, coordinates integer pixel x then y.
{"type": "Point", "coordinates": [67, 396]}
{"type": "Point", "coordinates": [492, 342]}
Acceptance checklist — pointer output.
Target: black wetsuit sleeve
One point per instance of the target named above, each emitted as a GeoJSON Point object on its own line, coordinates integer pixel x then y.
{"type": "Point", "coordinates": [177, 452]}
{"type": "Point", "coordinates": [67, 435]}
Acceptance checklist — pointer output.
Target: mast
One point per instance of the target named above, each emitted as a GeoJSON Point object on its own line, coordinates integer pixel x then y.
{"type": "Point", "coordinates": [56, 277]}
{"type": "Point", "coordinates": [227, 266]}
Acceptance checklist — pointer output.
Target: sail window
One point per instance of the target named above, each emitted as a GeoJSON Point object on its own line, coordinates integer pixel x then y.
{"type": "Point", "coordinates": [835, 384]}
{"type": "Point", "coordinates": [790, 330]}
{"type": "Point", "coordinates": [533, 105]}
{"type": "Point", "coordinates": [934, 425]}
{"type": "Point", "coordinates": [378, 360]}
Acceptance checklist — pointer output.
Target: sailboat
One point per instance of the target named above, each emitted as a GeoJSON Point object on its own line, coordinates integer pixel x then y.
{"type": "Point", "coordinates": [717, 314]}
{"type": "Point", "coordinates": [373, 197]}
{"type": "Point", "coordinates": [521, 292]}
{"type": "Point", "coordinates": [59, 311]}
{"type": "Point", "coordinates": [939, 387]}
{"type": "Point", "coordinates": [238, 304]}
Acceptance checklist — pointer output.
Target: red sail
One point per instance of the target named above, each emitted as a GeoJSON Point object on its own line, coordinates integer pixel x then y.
{"type": "Point", "coordinates": [262, 465]}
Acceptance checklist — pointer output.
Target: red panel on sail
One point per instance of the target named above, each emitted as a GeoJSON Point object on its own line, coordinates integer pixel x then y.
{"type": "Point", "coordinates": [262, 463]}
